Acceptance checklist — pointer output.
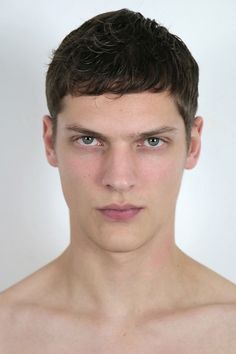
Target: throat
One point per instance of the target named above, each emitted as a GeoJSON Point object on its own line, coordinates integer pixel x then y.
{"type": "Point", "coordinates": [123, 286]}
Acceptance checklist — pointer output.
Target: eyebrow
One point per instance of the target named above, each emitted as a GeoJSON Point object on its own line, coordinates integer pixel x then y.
{"type": "Point", "coordinates": [158, 131]}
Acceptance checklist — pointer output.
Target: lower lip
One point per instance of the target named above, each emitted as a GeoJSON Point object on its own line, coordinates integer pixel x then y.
{"type": "Point", "coordinates": [120, 215]}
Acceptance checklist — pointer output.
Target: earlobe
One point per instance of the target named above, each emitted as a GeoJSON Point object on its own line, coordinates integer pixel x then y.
{"type": "Point", "coordinates": [195, 144]}
{"type": "Point", "coordinates": [48, 141]}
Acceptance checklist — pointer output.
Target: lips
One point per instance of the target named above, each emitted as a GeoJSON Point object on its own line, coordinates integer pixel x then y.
{"type": "Point", "coordinates": [120, 207]}
{"type": "Point", "coordinates": [120, 211]}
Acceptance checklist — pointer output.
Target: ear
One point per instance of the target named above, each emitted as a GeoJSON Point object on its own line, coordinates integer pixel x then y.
{"type": "Point", "coordinates": [48, 141]}
{"type": "Point", "coordinates": [195, 144]}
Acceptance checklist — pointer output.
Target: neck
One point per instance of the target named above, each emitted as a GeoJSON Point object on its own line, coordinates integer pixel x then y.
{"type": "Point", "coordinates": [123, 284]}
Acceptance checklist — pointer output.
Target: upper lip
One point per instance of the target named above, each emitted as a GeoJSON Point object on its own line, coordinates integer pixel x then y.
{"type": "Point", "coordinates": [120, 206]}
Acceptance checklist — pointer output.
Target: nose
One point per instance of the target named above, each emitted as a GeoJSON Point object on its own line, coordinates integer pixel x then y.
{"type": "Point", "coordinates": [120, 170]}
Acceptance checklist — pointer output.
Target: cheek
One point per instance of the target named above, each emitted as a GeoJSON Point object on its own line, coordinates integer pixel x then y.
{"type": "Point", "coordinates": [75, 169]}
{"type": "Point", "coordinates": [75, 175]}
{"type": "Point", "coordinates": [164, 171]}
{"type": "Point", "coordinates": [163, 180]}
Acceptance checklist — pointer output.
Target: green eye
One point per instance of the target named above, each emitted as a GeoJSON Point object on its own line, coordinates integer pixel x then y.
{"type": "Point", "coordinates": [87, 139]}
{"type": "Point", "coordinates": [155, 142]}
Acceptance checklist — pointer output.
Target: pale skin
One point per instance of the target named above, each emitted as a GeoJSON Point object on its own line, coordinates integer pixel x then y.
{"type": "Point", "coordinates": [120, 287]}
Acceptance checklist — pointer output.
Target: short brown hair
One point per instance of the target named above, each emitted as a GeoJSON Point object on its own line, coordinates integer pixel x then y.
{"type": "Point", "coordinates": [123, 52]}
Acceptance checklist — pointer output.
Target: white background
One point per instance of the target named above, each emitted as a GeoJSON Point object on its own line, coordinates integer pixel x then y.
{"type": "Point", "coordinates": [34, 226]}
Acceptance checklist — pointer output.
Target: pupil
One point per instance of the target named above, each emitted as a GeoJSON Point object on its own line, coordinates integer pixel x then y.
{"type": "Point", "coordinates": [87, 139]}
{"type": "Point", "coordinates": [153, 141]}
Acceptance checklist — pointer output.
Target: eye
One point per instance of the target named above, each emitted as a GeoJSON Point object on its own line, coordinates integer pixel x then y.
{"type": "Point", "coordinates": [154, 141]}
{"type": "Point", "coordinates": [86, 139]}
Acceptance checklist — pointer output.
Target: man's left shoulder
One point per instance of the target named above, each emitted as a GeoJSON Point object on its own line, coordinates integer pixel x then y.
{"type": "Point", "coordinates": [226, 329]}
{"type": "Point", "coordinates": [221, 307]}
{"type": "Point", "coordinates": [212, 287]}
{"type": "Point", "coordinates": [226, 313]}
{"type": "Point", "coordinates": [215, 294]}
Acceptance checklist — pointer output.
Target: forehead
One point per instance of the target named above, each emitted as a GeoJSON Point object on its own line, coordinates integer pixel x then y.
{"type": "Point", "coordinates": [128, 114]}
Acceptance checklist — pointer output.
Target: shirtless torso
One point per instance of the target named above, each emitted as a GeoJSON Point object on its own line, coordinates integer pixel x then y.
{"type": "Point", "coordinates": [39, 331]}
{"type": "Point", "coordinates": [33, 321]}
{"type": "Point", "coordinates": [209, 330]}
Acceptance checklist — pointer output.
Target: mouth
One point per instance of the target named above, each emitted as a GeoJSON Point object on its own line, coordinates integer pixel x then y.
{"type": "Point", "coordinates": [121, 206]}
{"type": "Point", "coordinates": [120, 214]}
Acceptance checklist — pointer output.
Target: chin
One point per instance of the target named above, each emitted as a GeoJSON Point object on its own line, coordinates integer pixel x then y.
{"type": "Point", "coordinates": [120, 243]}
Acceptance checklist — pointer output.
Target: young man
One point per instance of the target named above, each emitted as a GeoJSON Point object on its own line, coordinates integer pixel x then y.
{"type": "Point", "coordinates": [122, 95]}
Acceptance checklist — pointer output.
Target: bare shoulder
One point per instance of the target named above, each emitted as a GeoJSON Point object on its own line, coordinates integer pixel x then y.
{"type": "Point", "coordinates": [23, 308]}
{"type": "Point", "coordinates": [208, 286]}
{"type": "Point", "coordinates": [8, 320]}
{"type": "Point", "coordinates": [221, 330]}
{"type": "Point", "coordinates": [220, 289]}
{"type": "Point", "coordinates": [26, 294]}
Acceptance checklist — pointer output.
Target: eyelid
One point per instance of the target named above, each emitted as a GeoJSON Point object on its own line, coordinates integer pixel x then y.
{"type": "Point", "coordinates": [164, 141]}
{"type": "Point", "coordinates": [77, 137]}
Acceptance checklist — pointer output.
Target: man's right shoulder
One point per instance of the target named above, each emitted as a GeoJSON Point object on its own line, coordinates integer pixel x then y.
{"type": "Point", "coordinates": [8, 307]}
{"type": "Point", "coordinates": [15, 318]}
{"type": "Point", "coordinates": [5, 306]}
{"type": "Point", "coordinates": [6, 320]}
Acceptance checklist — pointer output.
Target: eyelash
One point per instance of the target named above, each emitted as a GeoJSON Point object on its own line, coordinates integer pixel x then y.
{"type": "Point", "coordinates": [76, 138]}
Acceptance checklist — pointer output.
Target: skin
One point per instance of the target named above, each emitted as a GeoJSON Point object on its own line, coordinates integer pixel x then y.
{"type": "Point", "coordinates": [121, 285]}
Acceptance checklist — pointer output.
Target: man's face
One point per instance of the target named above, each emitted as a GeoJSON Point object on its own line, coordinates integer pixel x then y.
{"type": "Point", "coordinates": [122, 167]}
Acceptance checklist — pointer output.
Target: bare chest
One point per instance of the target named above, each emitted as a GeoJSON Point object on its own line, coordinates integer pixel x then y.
{"type": "Point", "coordinates": [175, 335]}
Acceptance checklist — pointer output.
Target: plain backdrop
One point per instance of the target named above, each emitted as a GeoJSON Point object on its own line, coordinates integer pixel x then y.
{"type": "Point", "coordinates": [34, 225]}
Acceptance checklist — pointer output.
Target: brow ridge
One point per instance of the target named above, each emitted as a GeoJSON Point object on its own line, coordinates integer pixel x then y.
{"type": "Point", "coordinates": [80, 129]}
